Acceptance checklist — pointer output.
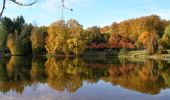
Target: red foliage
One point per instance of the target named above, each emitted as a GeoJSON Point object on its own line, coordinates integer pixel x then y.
{"type": "Point", "coordinates": [120, 41]}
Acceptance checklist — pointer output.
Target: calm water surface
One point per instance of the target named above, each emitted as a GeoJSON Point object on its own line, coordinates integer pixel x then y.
{"type": "Point", "coordinates": [26, 78]}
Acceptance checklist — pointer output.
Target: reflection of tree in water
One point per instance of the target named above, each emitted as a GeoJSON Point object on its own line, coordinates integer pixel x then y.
{"type": "Point", "coordinates": [145, 78]}
{"type": "Point", "coordinates": [18, 68]}
{"type": "Point", "coordinates": [16, 74]}
{"type": "Point", "coordinates": [3, 69]}
{"type": "Point", "coordinates": [165, 72]}
{"type": "Point", "coordinates": [149, 71]}
{"type": "Point", "coordinates": [37, 71]}
{"type": "Point", "coordinates": [64, 74]}
{"type": "Point", "coordinates": [68, 74]}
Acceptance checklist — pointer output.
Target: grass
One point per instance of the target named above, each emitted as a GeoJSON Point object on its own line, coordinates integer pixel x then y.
{"type": "Point", "coordinates": [135, 54]}
{"type": "Point", "coordinates": [142, 54]}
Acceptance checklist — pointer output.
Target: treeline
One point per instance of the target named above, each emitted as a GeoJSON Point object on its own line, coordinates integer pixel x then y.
{"type": "Point", "coordinates": [148, 32]}
{"type": "Point", "coordinates": [70, 38]}
{"type": "Point", "coordinates": [20, 38]}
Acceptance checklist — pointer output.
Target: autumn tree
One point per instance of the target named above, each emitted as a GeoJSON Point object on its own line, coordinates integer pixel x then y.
{"type": "Point", "coordinates": [133, 28]}
{"type": "Point", "coordinates": [76, 41]}
{"type": "Point", "coordinates": [166, 37]}
{"type": "Point", "coordinates": [11, 42]}
{"type": "Point", "coordinates": [151, 41]}
{"type": "Point", "coordinates": [37, 39]}
{"type": "Point", "coordinates": [57, 34]}
{"type": "Point", "coordinates": [120, 41]}
{"type": "Point", "coordinates": [65, 38]}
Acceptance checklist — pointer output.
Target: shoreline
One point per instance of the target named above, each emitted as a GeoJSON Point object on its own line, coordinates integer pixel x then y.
{"type": "Point", "coordinates": [103, 54]}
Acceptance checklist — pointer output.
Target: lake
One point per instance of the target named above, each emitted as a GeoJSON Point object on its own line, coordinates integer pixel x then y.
{"type": "Point", "coordinates": [28, 78]}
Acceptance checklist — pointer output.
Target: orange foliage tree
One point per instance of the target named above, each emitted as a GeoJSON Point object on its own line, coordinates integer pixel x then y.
{"type": "Point", "coordinates": [120, 41]}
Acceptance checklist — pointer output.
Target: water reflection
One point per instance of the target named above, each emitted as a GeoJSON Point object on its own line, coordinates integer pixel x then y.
{"type": "Point", "coordinates": [148, 76]}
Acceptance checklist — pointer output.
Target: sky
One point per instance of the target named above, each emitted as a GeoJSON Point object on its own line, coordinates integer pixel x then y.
{"type": "Point", "coordinates": [88, 12]}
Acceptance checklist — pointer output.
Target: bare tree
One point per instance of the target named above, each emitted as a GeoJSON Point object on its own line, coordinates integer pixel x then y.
{"type": "Point", "coordinates": [16, 2]}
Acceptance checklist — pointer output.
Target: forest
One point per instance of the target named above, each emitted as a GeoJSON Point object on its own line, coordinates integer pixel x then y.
{"type": "Point", "coordinates": [150, 33]}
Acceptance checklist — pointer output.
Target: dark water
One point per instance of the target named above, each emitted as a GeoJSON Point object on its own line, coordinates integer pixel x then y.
{"type": "Point", "coordinates": [26, 78]}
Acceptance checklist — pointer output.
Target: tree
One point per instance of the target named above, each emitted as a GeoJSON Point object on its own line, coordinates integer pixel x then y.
{"type": "Point", "coordinates": [20, 44]}
{"type": "Point", "coordinates": [167, 30]}
{"type": "Point", "coordinates": [93, 35]}
{"type": "Point", "coordinates": [57, 34]}
{"type": "Point", "coordinates": [76, 42]}
{"type": "Point", "coordinates": [10, 26]}
{"type": "Point", "coordinates": [19, 23]}
{"type": "Point", "coordinates": [7, 25]}
{"type": "Point", "coordinates": [11, 42]}
{"type": "Point", "coordinates": [65, 38]}
{"type": "Point", "coordinates": [3, 38]}
{"type": "Point", "coordinates": [37, 39]}
{"type": "Point", "coordinates": [166, 37]}
{"type": "Point", "coordinates": [151, 41]}
{"type": "Point", "coordinates": [120, 41]}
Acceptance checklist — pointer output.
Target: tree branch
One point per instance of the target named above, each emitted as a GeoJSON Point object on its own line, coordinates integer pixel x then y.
{"type": "Point", "coordinates": [16, 2]}
{"type": "Point", "coordinates": [3, 7]}
{"type": "Point", "coordinates": [22, 4]}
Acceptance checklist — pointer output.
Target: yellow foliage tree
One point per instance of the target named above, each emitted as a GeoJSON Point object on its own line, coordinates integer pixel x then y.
{"type": "Point", "coordinates": [57, 33]}
{"type": "Point", "coordinates": [37, 40]}
{"type": "Point", "coordinates": [11, 42]}
{"type": "Point", "coordinates": [65, 38]}
{"type": "Point", "coordinates": [144, 38]}
{"type": "Point", "coordinates": [150, 40]}
{"type": "Point", "coordinates": [75, 42]}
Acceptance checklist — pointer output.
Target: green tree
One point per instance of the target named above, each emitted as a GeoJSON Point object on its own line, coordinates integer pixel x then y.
{"type": "Point", "coordinates": [7, 25]}
{"type": "Point", "coordinates": [94, 35]}
{"type": "Point", "coordinates": [20, 44]}
{"type": "Point", "coordinates": [167, 30]}
{"type": "Point", "coordinates": [3, 38]}
{"type": "Point", "coordinates": [19, 23]}
{"type": "Point", "coordinates": [166, 37]}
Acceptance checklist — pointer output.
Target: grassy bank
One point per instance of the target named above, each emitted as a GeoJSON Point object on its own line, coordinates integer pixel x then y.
{"type": "Point", "coordinates": [142, 54]}
{"type": "Point", "coordinates": [130, 54]}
